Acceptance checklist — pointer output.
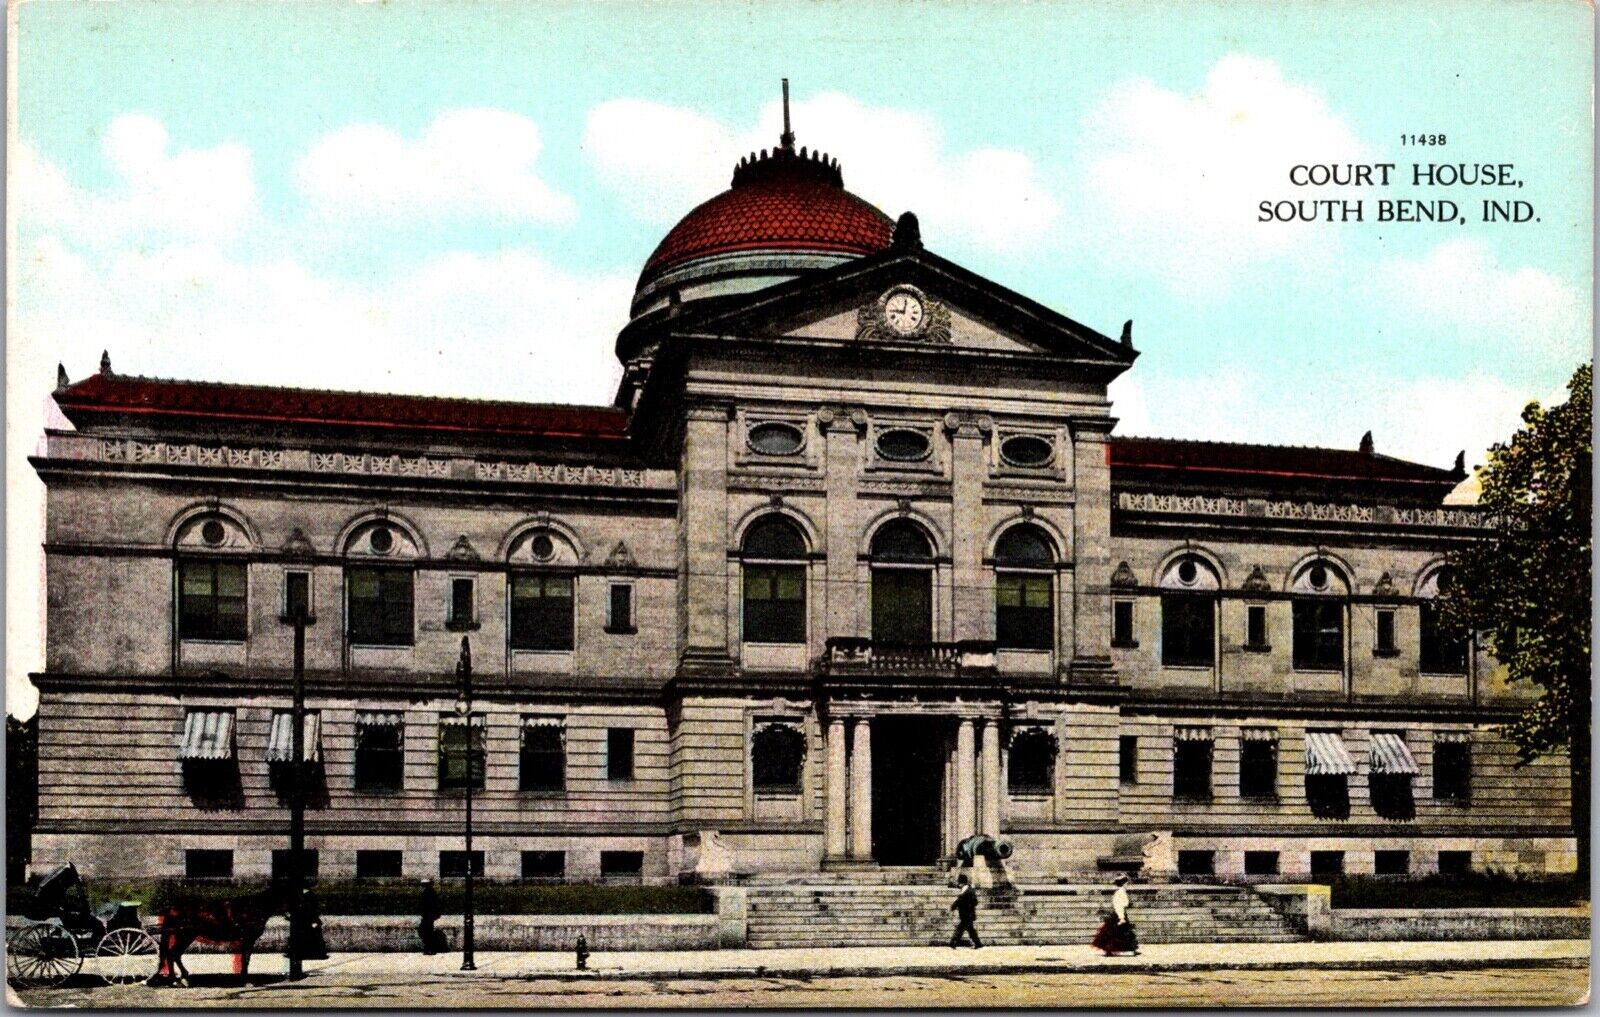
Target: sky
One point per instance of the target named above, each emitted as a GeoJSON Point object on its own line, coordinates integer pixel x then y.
{"type": "Point", "coordinates": [456, 198]}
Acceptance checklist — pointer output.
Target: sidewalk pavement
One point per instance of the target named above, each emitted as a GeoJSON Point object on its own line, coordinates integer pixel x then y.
{"type": "Point", "coordinates": [930, 960]}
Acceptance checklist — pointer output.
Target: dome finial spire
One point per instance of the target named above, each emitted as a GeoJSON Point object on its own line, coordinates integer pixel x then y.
{"type": "Point", "coordinates": [786, 139]}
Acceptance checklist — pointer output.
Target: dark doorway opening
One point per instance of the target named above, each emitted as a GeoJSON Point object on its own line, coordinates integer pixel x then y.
{"type": "Point", "coordinates": [908, 759]}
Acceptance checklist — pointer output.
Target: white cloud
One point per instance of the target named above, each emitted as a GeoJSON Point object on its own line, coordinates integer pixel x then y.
{"type": "Point", "coordinates": [468, 162]}
{"type": "Point", "coordinates": [663, 160]}
{"type": "Point", "coordinates": [1460, 283]}
{"type": "Point", "coordinates": [1174, 180]}
{"type": "Point", "coordinates": [193, 193]}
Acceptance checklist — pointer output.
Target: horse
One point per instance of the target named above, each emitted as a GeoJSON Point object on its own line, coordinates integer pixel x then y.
{"type": "Point", "coordinates": [236, 923]}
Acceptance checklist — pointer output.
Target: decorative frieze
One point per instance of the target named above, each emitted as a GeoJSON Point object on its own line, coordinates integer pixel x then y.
{"type": "Point", "coordinates": [1312, 511]}
{"type": "Point", "coordinates": [1196, 504]}
{"type": "Point", "coordinates": [1320, 511]}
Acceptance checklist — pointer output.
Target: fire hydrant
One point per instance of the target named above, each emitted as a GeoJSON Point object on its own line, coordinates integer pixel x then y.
{"type": "Point", "coordinates": [583, 954]}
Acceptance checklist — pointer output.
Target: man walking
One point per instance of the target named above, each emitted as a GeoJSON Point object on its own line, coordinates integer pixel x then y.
{"type": "Point", "coordinates": [966, 909]}
{"type": "Point", "coordinates": [428, 909]}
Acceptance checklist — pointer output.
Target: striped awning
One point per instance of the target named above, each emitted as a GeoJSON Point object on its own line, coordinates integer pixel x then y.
{"type": "Point", "coordinates": [543, 721]}
{"type": "Point", "coordinates": [380, 718]}
{"type": "Point", "coordinates": [1191, 734]}
{"type": "Point", "coordinates": [207, 734]}
{"type": "Point", "coordinates": [1326, 755]}
{"type": "Point", "coordinates": [1389, 754]}
{"type": "Point", "coordinates": [280, 746]}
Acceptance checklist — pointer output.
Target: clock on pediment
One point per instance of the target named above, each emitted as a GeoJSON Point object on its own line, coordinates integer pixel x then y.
{"type": "Point", "coordinates": [905, 313]}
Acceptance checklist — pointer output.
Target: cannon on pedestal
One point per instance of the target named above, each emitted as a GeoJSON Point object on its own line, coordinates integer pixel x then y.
{"type": "Point", "coordinates": [984, 846]}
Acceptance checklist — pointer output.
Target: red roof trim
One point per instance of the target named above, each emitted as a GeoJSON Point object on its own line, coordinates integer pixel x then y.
{"type": "Point", "coordinates": [1240, 459]}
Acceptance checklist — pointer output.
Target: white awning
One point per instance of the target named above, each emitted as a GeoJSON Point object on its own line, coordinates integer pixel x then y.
{"type": "Point", "coordinates": [207, 734]}
{"type": "Point", "coordinates": [456, 720]}
{"type": "Point", "coordinates": [1326, 755]}
{"type": "Point", "coordinates": [1192, 734]}
{"type": "Point", "coordinates": [543, 721]}
{"type": "Point", "coordinates": [280, 746]}
{"type": "Point", "coordinates": [1452, 737]}
{"type": "Point", "coordinates": [1258, 734]}
{"type": "Point", "coordinates": [1389, 754]}
{"type": "Point", "coordinates": [380, 718]}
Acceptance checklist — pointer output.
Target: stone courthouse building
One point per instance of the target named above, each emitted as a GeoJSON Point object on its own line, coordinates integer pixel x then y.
{"type": "Point", "coordinates": [853, 567]}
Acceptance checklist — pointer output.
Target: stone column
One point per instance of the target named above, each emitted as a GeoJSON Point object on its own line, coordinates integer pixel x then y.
{"type": "Point", "coordinates": [842, 597]}
{"type": "Point", "coordinates": [835, 780]}
{"type": "Point", "coordinates": [861, 789]}
{"type": "Point", "coordinates": [1091, 538]}
{"type": "Point", "coordinates": [989, 765]}
{"type": "Point", "coordinates": [973, 604]}
{"type": "Point", "coordinates": [966, 781]}
{"type": "Point", "coordinates": [703, 597]}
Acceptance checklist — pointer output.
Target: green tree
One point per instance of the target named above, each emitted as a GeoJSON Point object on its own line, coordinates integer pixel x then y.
{"type": "Point", "coordinates": [1527, 586]}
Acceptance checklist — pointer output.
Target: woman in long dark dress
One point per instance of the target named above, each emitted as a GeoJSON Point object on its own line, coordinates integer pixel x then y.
{"type": "Point", "coordinates": [1116, 934]}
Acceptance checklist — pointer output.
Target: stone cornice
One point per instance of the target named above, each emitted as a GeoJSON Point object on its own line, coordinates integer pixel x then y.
{"type": "Point", "coordinates": [1262, 510]}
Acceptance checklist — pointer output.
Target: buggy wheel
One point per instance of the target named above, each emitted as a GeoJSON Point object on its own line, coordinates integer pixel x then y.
{"type": "Point", "coordinates": [127, 956]}
{"type": "Point", "coordinates": [42, 955]}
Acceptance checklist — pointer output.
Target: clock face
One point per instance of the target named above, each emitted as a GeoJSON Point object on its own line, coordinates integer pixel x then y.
{"type": "Point", "coordinates": [903, 312]}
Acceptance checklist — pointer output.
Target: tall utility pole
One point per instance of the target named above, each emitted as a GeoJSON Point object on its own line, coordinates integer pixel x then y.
{"type": "Point", "coordinates": [297, 612]}
{"type": "Point", "coordinates": [464, 707]}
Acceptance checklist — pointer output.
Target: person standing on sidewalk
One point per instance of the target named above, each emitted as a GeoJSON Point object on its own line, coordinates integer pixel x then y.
{"type": "Point", "coordinates": [966, 909]}
{"type": "Point", "coordinates": [1116, 934]}
{"type": "Point", "coordinates": [428, 909]}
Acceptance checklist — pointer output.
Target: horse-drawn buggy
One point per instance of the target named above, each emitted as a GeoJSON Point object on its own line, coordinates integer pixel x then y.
{"type": "Point", "coordinates": [59, 930]}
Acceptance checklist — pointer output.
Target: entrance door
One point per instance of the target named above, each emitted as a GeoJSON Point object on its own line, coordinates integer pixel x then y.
{"type": "Point", "coordinates": [902, 606]}
{"type": "Point", "coordinates": [907, 777]}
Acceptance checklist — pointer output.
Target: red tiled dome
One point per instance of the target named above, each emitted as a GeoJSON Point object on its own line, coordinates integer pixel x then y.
{"type": "Point", "coordinates": [779, 200]}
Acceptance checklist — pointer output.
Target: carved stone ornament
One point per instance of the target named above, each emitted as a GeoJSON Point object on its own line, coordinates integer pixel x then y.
{"type": "Point", "coordinates": [462, 550]}
{"type": "Point", "coordinates": [904, 314]}
{"type": "Point", "coordinates": [1385, 587]}
{"type": "Point", "coordinates": [298, 543]}
{"type": "Point", "coordinates": [1124, 576]}
{"type": "Point", "coordinates": [620, 556]}
{"type": "Point", "coordinates": [1257, 580]}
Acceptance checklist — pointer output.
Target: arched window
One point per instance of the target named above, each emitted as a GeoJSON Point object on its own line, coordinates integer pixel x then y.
{"type": "Point", "coordinates": [1443, 650]}
{"type": "Point", "coordinates": [212, 586]}
{"type": "Point", "coordinates": [777, 753]}
{"type": "Point", "coordinates": [1024, 602]}
{"type": "Point", "coordinates": [378, 579]}
{"type": "Point", "coordinates": [543, 591]}
{"type": "Point", "coordinates": [1320, 589]}
{"type": "Point", "coordinates": [1031, 766]}
{"type": "Point", "coordinates": [902, 585]}
{"type": "Point", "coordinates": [774, 582]}
{"type": "Point", "coordinates": [1189, 612]}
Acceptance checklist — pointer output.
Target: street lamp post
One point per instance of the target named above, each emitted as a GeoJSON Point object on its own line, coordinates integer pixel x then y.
{"type": "Point", "coordinates": [464, 708]}
{"type": "Point", "coordinates": [297, 613]}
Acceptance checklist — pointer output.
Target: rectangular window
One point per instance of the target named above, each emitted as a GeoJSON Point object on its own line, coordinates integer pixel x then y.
{"type": "Point", "coordinates": [1327, 863]}
{"type": "Point", "coordinates": [283, 863]}
{"type": "Point", "coordinates": [461, 754]}
{"type": "Point", "coordinates": [1455, 863]}
{"type": "Point", "coordinates": [1024, 614]}
{"type": "Point", "coordinates": [541, 611]}
{"type": "Point", "coordinates": [619, 608]}
{"type": "Point", "coordinates": [619, 753]}
{"type": "Point", "coordinates": [1452, 770]}
{"type": "Point", "coordinates": [380, 752]}
{"type": "Point", "coordinates": [774, 604]}
{"type": "Point", "coordinates": [453, 864]}
{"type": "Point", "coordinates": [1442, 652]}
{"type": "Point", "coordinates": [378, 865]}
{"type": "Point", "coordinates": [902, 606]}
{"type": "Point", "coordinates": [544, 754]}
{"type": "Point", "coordinates": [296, 594]}
{"type": "Point", "coordinates": [544, 864]}
{"type": "Point", "coordinates": [1391, 863]}
{"type": "Point", "coordinates": [1318, 634]}
{"type": "Point", "coordinates": [1197, 863]}
{"type": "Point", "coordinates": [1255, 625]}
{"type": "Point", "coordinates": [1385, 646]}
{"type": "Point", "coordinates": [1258, 763]}
{"type": "Point", "coordinates": [1191, 765]}
{"type": "Point", "coordinates": [621, 863]}
{"type": "Point", "coordinates": [1261, 863]}
{"type": "Point", "coordinates": [1188, 634]}
{"type": "Point", "coordinates": [462, 602]}
{"type": "Point", "coordinates": [380, 606]}
{"type": "Point", "coordinates": [207, 863]}
{"type": "Point", "coordinates": [1128, 759]}
{"type": "Point", "coordinates": [1122, 624]}
{"type": "Point", "coordinates": [211, 600]}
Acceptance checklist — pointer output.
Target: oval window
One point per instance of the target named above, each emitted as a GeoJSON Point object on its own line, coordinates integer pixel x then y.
{"type": "Point", "coordinates": [902, 445]}
{"type": "Point", "coordinates": [1188, 572]}
{"type": "Point", "coordinates": [775, 439]}
{"type": "Point", "coordinates": [382, 540]}
{"type": "Point", "coordinates": [212, 532]}
{"type": "Point", "coordinates": [1318, 577]}
{"type": "Point", "coordinates": [1026, 450]}
{"type": "Point", "coordinates": [542, 547]}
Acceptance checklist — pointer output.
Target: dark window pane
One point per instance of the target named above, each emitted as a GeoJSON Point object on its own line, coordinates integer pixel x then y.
{"type": "Point", "coordinates": [1261, 863]}
{"type": "Point", "coordinates": [777, 755]}
{"type": "Point", "coordinates": [1191, 769]}
{"type": "Point", "coordinates": [541, 611]}
{"type": "Point", "coordinates": [297, 594]}
{"type": "Point", "coordinates": [1031, 764]}
{"type": "Point", "coordinates": [1391, 863]}
{"type": "Point", "coordinates": [453, 864]}
{"type": "Point", "coordinates": [1256, 625]}
{"type": "Point", "coordinates": [1122, 623]}
{"type": "Point", "coordinates": [461, 752]}
{"type": "Point", "coordinates": [283, 866]}
{"type": "Point", "coordinates": [1328, 796]}
{"type": "Point", "coordinates": [621, 606]}
{"type": "Point", "coordinates": [1442, 652]}
{"type": "Point", "coordinates": [1452, 771]}
{"type": "Point", "coordinates": [378, 864]}
{"type": "Point", "coordinates": [1455, 863]}
{"type": "Point", "coordinates": [380, 758]}
{"type": "Point", "coordinates": [211, 600]}
{"type": "Point", "coordinates": [380, 606]}
{"type": "Point", "coordinates": [774, 603]}
{"type": "Point", "coordinates": [544, 864]}
{"type": "Point", "coordinates": [1024, 545]}
{"type": "Point", "coordinates": [1026, 450]}
{"type": "Point", "coordinates": [1188, 637]}
{"type": "Point", "coordinates": [544, 758]}
{"type": "Point", "coordinates": [1385, 631]}
{"type": "Point", "coordinates": [773, 537]}
{"type": "Point", "coordinates": [1318, 634]}
{"type": "Point", "coordinates": [902, 606]}
{"type": "Point", "coordinates": [1024, 616]}
{"type": "Point", "coordinates": [461, 600]}
{"type": "Point", "coordinates": [903, 445]}
{"type": "Point", "coordinates": [1327, 863]}
{"type": "Point", "coordinates": [1128, 759]}
{"type": "Point", "coordinates": [1391, 795]}
{"type": "Point", "coordinates": [621, 863]}
{"type": "Point", "coordinates": [1258, 768]}
{"type": "Point", "coordinates": [207, 863]}
{"type": "Point", "coordinates": [1196, 863]}
{"type": "Point", "coordinates": [775, 439]}
{"type": "Point", "coordinates": [901, 540]}
{"type": "Point", "coordinates": [619, 753]}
